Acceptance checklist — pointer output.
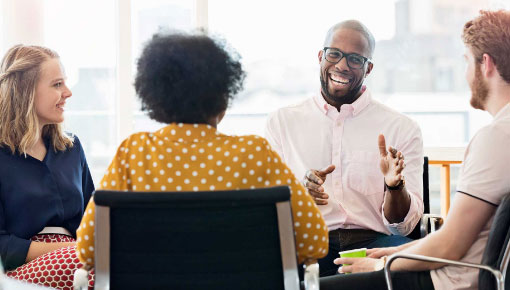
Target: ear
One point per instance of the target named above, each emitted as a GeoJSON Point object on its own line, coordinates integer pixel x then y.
{"type": "Point", "coordinates": [320, 55]}
{"type": "Point", "coordinates": [488, 66]}
{"type": "Point", "coordinates": [221, 115]}
{"type": "Point", "coordinates": [370, 66]}
{"type": "Point", "coordinates": [215, 120]}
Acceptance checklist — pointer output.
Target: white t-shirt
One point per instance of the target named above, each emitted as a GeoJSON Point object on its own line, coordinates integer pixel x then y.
{"type": "Point", "coordinates": [484, 175]}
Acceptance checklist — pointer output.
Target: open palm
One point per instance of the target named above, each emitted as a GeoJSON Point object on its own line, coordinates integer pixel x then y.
{"type": "Point", "coordinates": [391, 164]}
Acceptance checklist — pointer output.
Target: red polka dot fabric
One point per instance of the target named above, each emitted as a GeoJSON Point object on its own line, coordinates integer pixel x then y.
{"type": "Point", "coordinates": [54, 269]}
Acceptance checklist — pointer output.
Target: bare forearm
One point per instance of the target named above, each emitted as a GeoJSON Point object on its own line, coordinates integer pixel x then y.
{"type": "Point", "coordinates": [466, 219]}
{"type": "Point", "coordinates": [433, 246]}
{"type": "Point", "coordinates": [408, 245]}
{"type": "Point", "coordinates": [396, 205]}
{"type": "Point", "coordinates": [38, 249]}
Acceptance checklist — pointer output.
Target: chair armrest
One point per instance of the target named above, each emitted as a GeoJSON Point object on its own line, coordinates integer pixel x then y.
{"type": "Point", "coordinates": [430, 223]}
{"type": "Point", "coordinates": [497, 274]}
{"type": "Point", "coordinates": [311, 279]}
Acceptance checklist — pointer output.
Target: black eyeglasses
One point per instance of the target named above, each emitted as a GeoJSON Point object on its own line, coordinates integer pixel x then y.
{"type": "Point", "coordinates": [354, 60]}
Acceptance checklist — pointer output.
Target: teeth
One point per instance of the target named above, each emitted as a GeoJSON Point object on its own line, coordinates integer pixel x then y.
{"type": "Point", "coordinates": [339, 79]}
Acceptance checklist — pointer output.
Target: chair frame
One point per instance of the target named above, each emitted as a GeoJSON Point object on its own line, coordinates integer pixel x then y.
{"type": "Point", "coordinates": [102, 248]}
{"type": "Point", "coordinates": [434, 220]}
{"type": "Point", "coordinates": [499, 274]}
{"type": "Point", "coordinates": [285, 229]}
{"type": "Point", "coordinates": [429, 222]}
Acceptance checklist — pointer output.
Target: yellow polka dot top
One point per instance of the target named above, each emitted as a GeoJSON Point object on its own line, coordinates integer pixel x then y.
{"type": "Point", "coordinates": [195, 157]}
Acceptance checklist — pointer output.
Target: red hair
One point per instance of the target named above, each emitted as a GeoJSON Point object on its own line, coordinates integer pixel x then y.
{"type": "Point", "coordinates": [490, 33]}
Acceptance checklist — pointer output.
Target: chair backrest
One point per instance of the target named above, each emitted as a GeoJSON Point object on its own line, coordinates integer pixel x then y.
{"type": "Point", "coordinates": [240, 239]}
{"type": "Point", "coordinates": [497, 251]}
{"type": "Point", "coordinates": [426, 192]}
{"type": "Point", "coordinates": [416, 233]}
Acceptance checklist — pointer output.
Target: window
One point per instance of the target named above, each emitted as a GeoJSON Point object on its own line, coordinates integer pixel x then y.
{"type": "Point", "coordinates": [418, 63]}
{"type": "Point", "coordinates": [279, 42]}
{"type": "Point", "coordinates": [87, 51]}
{"type": "Point", "coordinates": [148, 18]}
{"type": "Point", "coordinates": [419, 68]}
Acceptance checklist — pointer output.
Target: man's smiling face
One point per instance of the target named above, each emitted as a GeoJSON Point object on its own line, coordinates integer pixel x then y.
{"type": "Point", "coordinates": [341, 84]}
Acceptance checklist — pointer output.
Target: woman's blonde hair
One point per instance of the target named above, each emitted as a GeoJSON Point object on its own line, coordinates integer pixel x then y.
{"type": "Point", "coordinates": [19, 126]}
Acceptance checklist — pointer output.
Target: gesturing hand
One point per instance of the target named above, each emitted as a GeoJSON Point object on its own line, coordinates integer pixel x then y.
{"type": "Point", "coordinates": [314, 179]}
{"type": "Point", "coordinates": [392, 163]}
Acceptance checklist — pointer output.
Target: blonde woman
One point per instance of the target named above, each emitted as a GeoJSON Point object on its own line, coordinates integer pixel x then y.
{"type": "Point", "coordinates": [45, 182]}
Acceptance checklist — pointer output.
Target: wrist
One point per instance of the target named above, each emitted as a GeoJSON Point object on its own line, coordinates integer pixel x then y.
{"type": "Point", "coordinates": [381, 262]}
{"type": "Point", "coordinates": [398, 186]}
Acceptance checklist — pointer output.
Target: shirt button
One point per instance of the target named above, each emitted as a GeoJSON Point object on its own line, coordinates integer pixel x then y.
{"type": "Point", "coordinates": [337, 183]}
{"type": "Point", "coordinates": [339, 123]}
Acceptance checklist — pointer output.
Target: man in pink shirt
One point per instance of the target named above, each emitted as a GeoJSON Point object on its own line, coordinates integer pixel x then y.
{"type": "Point", "coordinates": [361, 189]}
{"type": "Point", "coordinates": [483, 180]}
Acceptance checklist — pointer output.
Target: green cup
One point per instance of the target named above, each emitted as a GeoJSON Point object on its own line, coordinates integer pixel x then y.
{"type": "Point", "coordinates": [356, 253]}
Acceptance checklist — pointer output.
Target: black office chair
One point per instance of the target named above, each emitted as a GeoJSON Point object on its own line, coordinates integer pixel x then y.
{"type": "Point", "coordinates": [496, 256]}
{"type": "Point", "coordinates": [429, 222]}
{"type": "Point", "coordinates": [240, 239]}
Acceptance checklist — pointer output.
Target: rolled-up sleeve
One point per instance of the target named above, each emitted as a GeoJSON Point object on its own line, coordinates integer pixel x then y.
{"type": "Point", "coordinates": [412, 149]}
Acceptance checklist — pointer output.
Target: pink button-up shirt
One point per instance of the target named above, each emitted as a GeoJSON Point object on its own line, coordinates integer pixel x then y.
{"type": "Point", "coordinates": [313, 134]}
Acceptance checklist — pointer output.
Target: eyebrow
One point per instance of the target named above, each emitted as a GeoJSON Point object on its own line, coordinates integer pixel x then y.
{"type": "Point", "coordinates": [57, 79]}
{"type": "Point", "coordinates": [347, 52]}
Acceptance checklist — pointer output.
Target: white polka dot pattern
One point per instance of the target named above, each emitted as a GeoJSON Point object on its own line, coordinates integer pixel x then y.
{"type": "Point", "coordinates": [187, 157]}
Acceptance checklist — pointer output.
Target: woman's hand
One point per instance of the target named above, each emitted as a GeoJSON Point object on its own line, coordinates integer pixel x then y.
{"type": "Point", "coordinates": [37, 249]}
{"type": "Point", "coordinates": [359, 265]}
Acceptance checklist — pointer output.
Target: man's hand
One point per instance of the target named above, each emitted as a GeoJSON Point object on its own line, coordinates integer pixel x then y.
{"type": "Point", "coordinates": [392, 163]}
{"type": "Point", "coordinates": [313, 181]}
{"type": "Point", "coordinates": [358, 265]}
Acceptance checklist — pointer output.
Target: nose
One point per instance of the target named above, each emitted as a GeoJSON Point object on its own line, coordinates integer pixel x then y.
{"type": "Point", "coordinates": [342, 64]}
{"type": "Point", "coordinates": [67, 93]}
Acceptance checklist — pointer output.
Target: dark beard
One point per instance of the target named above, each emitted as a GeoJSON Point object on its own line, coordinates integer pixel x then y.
{"type": "Point", "coordinates": [479, 91]}
{"type": "Point", "coordinates": [348, 98]}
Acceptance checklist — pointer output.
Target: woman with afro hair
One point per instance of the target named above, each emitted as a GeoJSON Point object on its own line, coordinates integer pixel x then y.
{"type": "Point", "coordinates": [187, 81]}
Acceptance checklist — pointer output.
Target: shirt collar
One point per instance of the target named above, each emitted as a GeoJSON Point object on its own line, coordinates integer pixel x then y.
{"type": "Point", "coordinates": [356, 107]}
{"type": "Point", "coordinates": [188, 132]}
{"type": "Point", "coordinates": [47, 144]}
{"type": "Point", "coordinates": [503, 111]}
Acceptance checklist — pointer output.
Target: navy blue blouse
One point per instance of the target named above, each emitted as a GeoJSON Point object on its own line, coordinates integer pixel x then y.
{"type": "Point", "coordinates": [35, 194]}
